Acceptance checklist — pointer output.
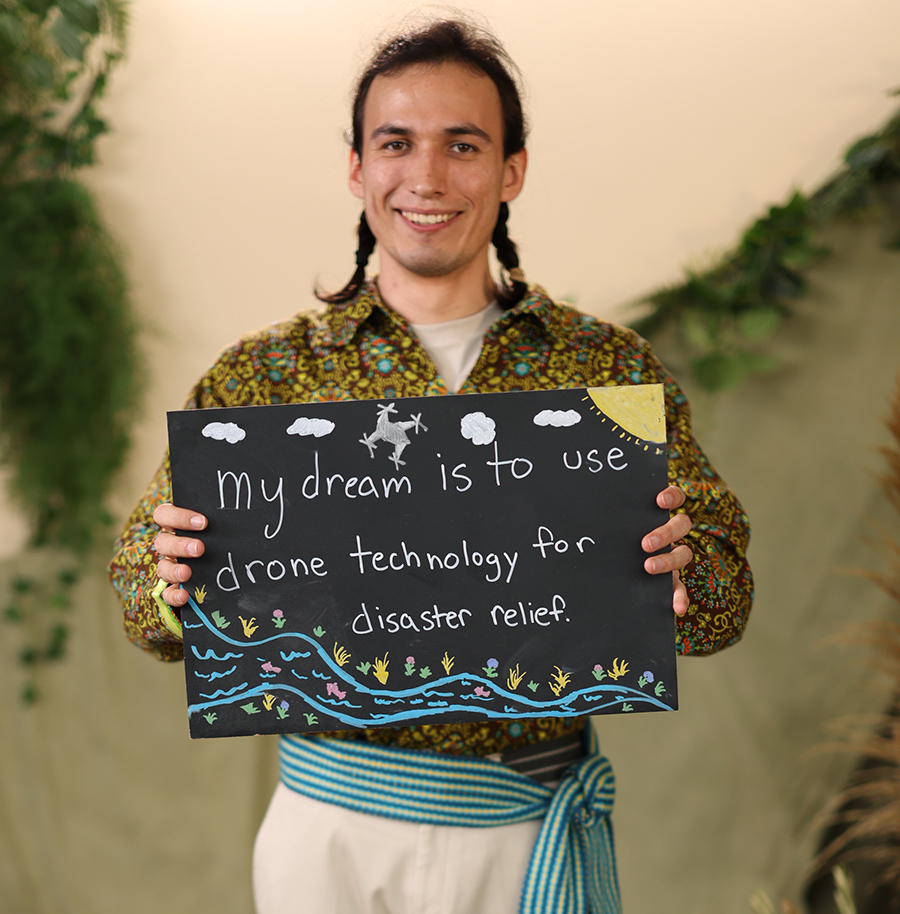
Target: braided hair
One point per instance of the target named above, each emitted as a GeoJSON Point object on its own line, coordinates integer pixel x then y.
{"type": "Point", "coordinates": [446, 41]}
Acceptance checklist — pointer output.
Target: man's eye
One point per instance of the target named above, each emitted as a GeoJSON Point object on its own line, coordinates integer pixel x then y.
{"type": "Point", "coordinates": [463, 147]}
{"type": "Point", "coordinates": [395, 145]}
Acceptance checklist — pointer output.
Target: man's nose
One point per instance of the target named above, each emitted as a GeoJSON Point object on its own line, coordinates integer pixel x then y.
{"type": "Point", "coordinates": [429, 175]}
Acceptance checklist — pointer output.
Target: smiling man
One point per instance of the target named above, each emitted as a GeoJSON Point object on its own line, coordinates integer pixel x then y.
{"type": "Point", "coordinates": [494, 816]}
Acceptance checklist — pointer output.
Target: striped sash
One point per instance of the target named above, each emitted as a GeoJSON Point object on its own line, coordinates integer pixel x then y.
{"type": "Point", "coordinates": [572, 868]}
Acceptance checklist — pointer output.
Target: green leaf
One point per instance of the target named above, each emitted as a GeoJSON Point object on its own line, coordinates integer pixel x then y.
{"type": "Point", "coordinates": [56, 646]}
{"type": "Point", "coordinates": [22, 584]}
{"type": "Point", "coordinates": [83, 14]}
{"type": "Point", "coordinates": [69, 38]}
{"type": "Point", "coordinates": [699, 328]}
{"type": "Point", "coordinates": [68, 577]}
{"type": "Point", "coordinates": [759, 324]}
{"type": "Point", "coordinates": [29, 656]}
{"type": "Point", "coordinates": [12, 613]}
{"type": "Point", "coordinates": [866, 153]}
{"type": "Point", "coordinates": [755, 362]}
{"type": "Point", "coordinates": [12, 29]}
{"type": "Point", "coordinates": [38, 7]}
{"type": "Point", "coordinates": [716, 371]}
{"type": "Point", "coordinates": [39, 70]}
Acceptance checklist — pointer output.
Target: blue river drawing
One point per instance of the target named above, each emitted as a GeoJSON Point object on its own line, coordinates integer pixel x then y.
{"type": "Point", "coordinates": [303, 686]}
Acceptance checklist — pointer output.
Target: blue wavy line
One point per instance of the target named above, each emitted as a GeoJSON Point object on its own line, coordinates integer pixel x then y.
{"type": "Point", "coordinates": [332, 701]}
{"type": "Point", "coordinates": [561, 708]}
{"type": "Point", "coordinates": [212, 655]}
{"type": "Point", "coordinates": [215, 675]}
{"type": "Point", "coordinates": [243, 685]}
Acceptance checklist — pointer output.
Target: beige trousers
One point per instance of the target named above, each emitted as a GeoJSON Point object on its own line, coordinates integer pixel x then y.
{"type": "Point", "coordinates": [317, 858]}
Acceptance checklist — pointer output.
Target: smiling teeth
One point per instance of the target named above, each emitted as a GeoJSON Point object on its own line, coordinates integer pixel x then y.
{"type": "Point", "coordinates": [427, 218]}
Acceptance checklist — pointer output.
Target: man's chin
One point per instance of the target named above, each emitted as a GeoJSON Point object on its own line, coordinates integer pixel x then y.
{"type": "Point", "coordinates": [431, 267]}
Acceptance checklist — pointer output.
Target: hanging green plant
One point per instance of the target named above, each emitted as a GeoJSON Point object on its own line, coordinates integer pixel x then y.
{"type": "Point", "coordinates": [725, 315]}
{"type": "Point", "coordinates": [69, 361]}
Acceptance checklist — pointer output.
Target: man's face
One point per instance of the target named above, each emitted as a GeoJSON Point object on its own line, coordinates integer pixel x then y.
{"type": "Point", "coordinates": [432, 172]}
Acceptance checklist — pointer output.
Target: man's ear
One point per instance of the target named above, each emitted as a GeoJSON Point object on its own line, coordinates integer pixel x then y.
{"type": "Point", "coordinates": [354, 176]}
{"type": "Point", "coordinates": [514, 175]}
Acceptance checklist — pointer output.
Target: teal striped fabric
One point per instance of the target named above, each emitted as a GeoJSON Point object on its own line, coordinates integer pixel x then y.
{"type": "Point", "coordinates": [572, 868]}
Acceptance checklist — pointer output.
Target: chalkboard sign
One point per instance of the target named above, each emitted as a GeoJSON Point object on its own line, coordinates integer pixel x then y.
{"type": "Point", "coordinates": [376, 563]}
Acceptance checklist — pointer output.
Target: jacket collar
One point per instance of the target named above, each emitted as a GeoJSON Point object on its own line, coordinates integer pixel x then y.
{"type": "Point", "coordinates": [343, 320]}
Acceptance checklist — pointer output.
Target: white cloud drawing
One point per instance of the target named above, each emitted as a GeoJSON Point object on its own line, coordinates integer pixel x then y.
{"type": "Point", "coordinates": [224, 431]}
{"type": "Point", "coordinates": [316, 427]}
{"type": "Point", "coordinates": [478, 428]}
{"type": "Point", "coordinates": [558, 418]}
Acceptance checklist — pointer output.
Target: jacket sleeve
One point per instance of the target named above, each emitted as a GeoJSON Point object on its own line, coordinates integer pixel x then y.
{"type": "Point", "coordinates": [718, 579]}
{"type": "Point", "coordinates": [133, 573]}
{"type": "Point", "coordinates": [133, 567]}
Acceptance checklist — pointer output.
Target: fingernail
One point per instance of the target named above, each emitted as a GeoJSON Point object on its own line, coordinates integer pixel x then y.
{"type": "Point", "coordinates": [654, 542]}
{"type": "Point", "coordinates": [193, 548]}
{"type": "Point", "coordinates": [198, 522]}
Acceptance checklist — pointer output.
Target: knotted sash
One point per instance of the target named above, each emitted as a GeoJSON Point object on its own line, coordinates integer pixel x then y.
{"type": "Point", "coordinates": [572, 868]}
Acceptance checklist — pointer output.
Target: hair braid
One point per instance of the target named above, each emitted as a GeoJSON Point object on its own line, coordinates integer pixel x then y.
{"type": "Point", "coordinates": [508, 255]}
{"type": "Point", "coordinates": [363, 253]}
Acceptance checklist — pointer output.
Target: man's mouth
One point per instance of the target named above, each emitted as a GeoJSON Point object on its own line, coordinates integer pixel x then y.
{"type": "Point", "coordinates": [426, 218]}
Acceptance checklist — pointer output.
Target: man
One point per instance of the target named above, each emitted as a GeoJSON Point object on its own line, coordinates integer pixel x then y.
{"type": "Point", "coordinates": [438, 153]}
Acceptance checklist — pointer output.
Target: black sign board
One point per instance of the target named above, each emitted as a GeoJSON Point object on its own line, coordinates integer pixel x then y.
{"type": "Point", "coordinates": [376, 563]}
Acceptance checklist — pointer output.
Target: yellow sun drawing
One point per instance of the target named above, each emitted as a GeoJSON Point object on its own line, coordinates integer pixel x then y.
{"type": "Point", "coordinates": [638, 410]}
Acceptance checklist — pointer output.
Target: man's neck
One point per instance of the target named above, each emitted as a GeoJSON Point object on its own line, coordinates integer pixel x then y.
{"type": "Point", "coordinates": [435, 299]}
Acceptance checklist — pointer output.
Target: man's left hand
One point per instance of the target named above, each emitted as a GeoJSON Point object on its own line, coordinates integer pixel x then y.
{"type": "Point", "coordinates": [668, 535]}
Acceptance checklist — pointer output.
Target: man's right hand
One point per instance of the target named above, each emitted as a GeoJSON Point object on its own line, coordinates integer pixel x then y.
{"type": "Point", "coordinates": [171, 548]}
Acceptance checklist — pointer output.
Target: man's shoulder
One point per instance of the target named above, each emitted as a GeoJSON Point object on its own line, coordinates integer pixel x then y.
{"type": "Point", "coordinates": [572, 325]}
{"type": "Point", "coordinates": [291, 333]}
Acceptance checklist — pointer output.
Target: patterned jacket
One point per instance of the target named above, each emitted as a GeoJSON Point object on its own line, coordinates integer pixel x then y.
{"type": "Point", "coordinates": [363, 349]}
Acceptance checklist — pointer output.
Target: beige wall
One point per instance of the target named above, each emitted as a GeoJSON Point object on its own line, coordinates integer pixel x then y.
{"type": "Point", "coordinates": [660, 129]}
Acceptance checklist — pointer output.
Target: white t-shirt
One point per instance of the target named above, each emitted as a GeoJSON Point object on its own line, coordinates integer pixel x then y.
{"type": "Point", "coordinates": [454, 346]}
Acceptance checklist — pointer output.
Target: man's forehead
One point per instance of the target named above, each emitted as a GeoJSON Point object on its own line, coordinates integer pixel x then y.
{"type": "Point", "coordinates": [451, 97]}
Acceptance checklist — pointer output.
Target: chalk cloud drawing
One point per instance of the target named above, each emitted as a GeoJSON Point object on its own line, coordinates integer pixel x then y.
{"type": "Point", "coordinates": [558, 418]}
{"type": "Point", "coordinates": [392, 433]}
{"type": "Point", "coordinates": [224, 431]}
{"type": "Point", "coordinates": [478, 428]}
{"type": "Point", "coordinates": [304, 426]}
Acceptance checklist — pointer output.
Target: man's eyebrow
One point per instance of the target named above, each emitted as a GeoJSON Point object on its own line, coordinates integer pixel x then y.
{"type": "Point", "coordinates": [390, 130]}
{"type": "Point", "coordinates": [455, 130]}
{"type": "Point", "coordinates": [468, 130]}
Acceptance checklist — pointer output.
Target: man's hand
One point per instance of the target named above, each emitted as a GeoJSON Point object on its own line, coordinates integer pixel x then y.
{"type": "Point", "coordinates": [171, 548]}
{"type": "Point", "coordinates": [669, 534]}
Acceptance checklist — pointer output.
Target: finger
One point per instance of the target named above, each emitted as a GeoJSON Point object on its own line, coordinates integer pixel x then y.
{"type": "Point", "coordinates": [172, 572]}
{"type": "Point", "coordinates": [674, 529]}
{"type": "Point", "coordinates": [175, 596]}
{"type": "Point", "coordinates": [667, 562]}
{"type": "Point", "coordinates": [178, 518]}
{"type": "Point", "coordinates": [170, 545]}
{"type": "Point", "coordinates": [680, 599]}
{"type": "Point", "coordinates": [671, 498]}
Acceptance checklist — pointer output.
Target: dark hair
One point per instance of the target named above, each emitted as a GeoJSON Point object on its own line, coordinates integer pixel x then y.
{"type": "Point", "coordinates": [446, 41]}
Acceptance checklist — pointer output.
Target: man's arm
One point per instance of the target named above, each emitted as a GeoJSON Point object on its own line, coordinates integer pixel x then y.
{"type": "Point", "coordinates": [133, 572]}
{"type": "Point", "coordinates": [717, 579]}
